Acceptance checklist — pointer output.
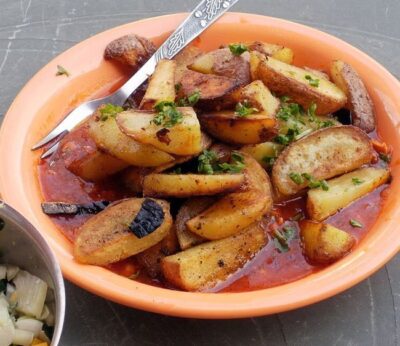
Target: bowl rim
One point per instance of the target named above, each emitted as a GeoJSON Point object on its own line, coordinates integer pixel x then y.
{"type": "Point", "coordinates": [221, 305]}
{"type": "Point", "coordinates": [50, 259]}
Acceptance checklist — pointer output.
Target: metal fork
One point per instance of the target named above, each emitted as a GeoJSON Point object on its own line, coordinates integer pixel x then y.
{"type": "Point", "coordinates": [205, 13]}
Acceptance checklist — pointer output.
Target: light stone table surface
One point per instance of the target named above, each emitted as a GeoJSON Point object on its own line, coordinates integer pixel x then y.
{"type": "Point", "coordinates": [34, 31]}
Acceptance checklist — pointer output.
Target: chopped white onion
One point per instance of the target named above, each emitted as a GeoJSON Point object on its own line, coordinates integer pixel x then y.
{"type": "Point", "coordinates": [22, 337]}
{"type": "Point", "coordinates": [29, 324]}
{"type": "Point", "coordinates": [12, 272]}
{"type": "Point", "coordinates": [7, 329]}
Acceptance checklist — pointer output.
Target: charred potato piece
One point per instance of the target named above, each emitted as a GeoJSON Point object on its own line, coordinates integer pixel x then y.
{"type": "Point", "coordinates": [303, 87]}
{"type": "Point", "coordinates": [161, 85]}
{"type": "Point", "coordinates": [187, 185]}
{"type": "Point", "coordinates": [358, 100]}
{"type": "Point", "coordinates": [206, 265]}
{"type": "Point", "coordinates": [344, 190]}
{"type": "Point", "coordinates": [131, 49]}
{"type": "Point", "coordinates": [265, 153]}
{"type": "Point", "coordinates": [323, 243]}
{"type": "Point", "coordinates": [186, 57]}
{"type": "Point", "coordinates": [236, 211]}
{"type": "Point", "coordinates": [276, 51]}
{"type": "Point", "coordinates": [90, 164]}
{"type": "Point", "coordinates": [229, 128]}
{"type": "Point", "coordinates": [183, 138]}
{"type": "Point", "coordinates": [150, 259]}
{"type": "Point", "coordinates": [112, 140]}
{"type": "Point", "coordinates": [191, 208]}
{"type": "Point", "coordinates": [323, 154]}
{"type": "Point", "coordinates": [223, 63]}
{"type": "Point", "coordinates": [107, 237]}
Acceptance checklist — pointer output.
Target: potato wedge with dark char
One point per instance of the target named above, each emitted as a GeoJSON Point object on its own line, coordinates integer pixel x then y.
{"type": "Point", "coordinates": [186, 57]}
{"type": "Point", "coordinates": [187, 185]}
{"type": "Point", "coordinates": [358, 100]}
{"type": "Point", "coordinates": [191, 208]}
{"type": "Point", "coordinates": [161, 85]}
{"type": "Point", "coordinates": [303, 87]}
{"type": "Point", "coordinates": [323, 154]}
{"type": "Point", "coordinates": [150, 259]}
{"type": "Point", "coordinates": [235, 211]}
{"type": "Point", "coordinates": [183, 138]}
{"type": "Point", "coordinates": [229, 128]}
{"type": "Point", "coordinates": [323, 243]}
{"type": "Point", "coordinates": [108, 237]}
{"type": "Point", "coordinates": [223, 63]}
{"type": "Point", "coordinates": [112, 140]}
{"type": "Point", "coordinates": [130, 49]}
{"type": "Point", "coordinates": [88, 162]}
{"type": "Point", "coordinates": [344, 190]}
{"type": "Point", "coordinates": [206, 265]}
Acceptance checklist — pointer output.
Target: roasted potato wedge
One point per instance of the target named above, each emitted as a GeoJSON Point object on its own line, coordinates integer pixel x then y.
{"type": "Point", "coordinates": [90, 164]}
{"type": "Point", "coordinates": [323, 154]}
{"type": "Point", "coordinates": [344, 190]}
{"type": "Point", "coordinates": [303, 87]}
{"type": "Point", "coordinates": [186, 185]}
{"type": "Point", "coordinates": [223, 63]}
{"type": "Point", "coordinates": [106, 238]}
{"type": "Point", "coordinates": [186, 57]}
{"type": "Point", "coordinates": [191, 208]}
{"type": "Point", "coordinates": [183, 138]}
{"type": "Point", "coordinates": [205, 265]}
{"type": "Point", "coordinates": [112, 140]}
{"type": "Point", "coordinates": [319, 73]}
{"type": "Point", "coordinates": [229, 128]}
{"type": "Point", "coordinates": [131, 49]}
{"type": "Point", "coordinates": [161, 85]}
{"type": "Point", "coordinates": [323, 243]}
{"type": "Point", "coordinates": [276, 51]}
{"type": "Point", "coordinates": [235, 211]}
{"type": "Point", "coordinates": [265, 153]}
{"type": "Point", "coordinates": [358, 100]}
{"type": "Point", "coordinates": [150, 259]}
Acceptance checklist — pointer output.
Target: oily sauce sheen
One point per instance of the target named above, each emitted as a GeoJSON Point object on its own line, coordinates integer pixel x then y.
{"type": "Point", "coordinates": [269, 268]}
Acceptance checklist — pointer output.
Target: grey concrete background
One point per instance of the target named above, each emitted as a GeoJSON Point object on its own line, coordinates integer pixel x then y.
{"type": "Point", "coordinates": [34, 31]}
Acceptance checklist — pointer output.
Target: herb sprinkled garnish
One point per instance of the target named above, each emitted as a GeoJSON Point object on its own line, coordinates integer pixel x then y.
{"type": "Point", "coordinates": [283, 237]}
{"type": "Point", "coordinates": [312, 183]}
{"type": "Point", "coordinates": [238, 48]}
{"type": "Point", "coordinates": [385, 157]}
{"type": "Point", "coordinates": [288, 110]}
{"type": "Point", "coordinates": [62, 71]}
{"type": "Point", "coordinates": [109, 111]}
{"type": "Point", "coordinates": [167, 114]}
{"type": "Point", "coordinates": [313, 82]}
{"type": "Point", "coordinates": [191, 100]}
{"type": "Point", "coordinates": [296, 178]}
{"type": "Point", "coordinates": [269, 160]}
{"type": "Point", "coordinates": [243, 109]}
{"type": "Point", "coordinates": [357, 181]}
{"type": "Point", "coordinates": [356, 224]}
{"type": "Point", "coordinates": [208, 163]}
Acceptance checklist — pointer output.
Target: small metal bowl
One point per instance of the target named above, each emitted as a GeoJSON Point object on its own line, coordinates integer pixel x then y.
{"type": "Point", "coordinates": [22, 245]}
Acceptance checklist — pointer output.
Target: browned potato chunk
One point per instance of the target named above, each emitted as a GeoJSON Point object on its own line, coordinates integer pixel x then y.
{"type": "Point", "coordinates": [90, 164]}
{"type": "Point", "coordinates": [131, 49]}
{"type": "Point", "coordinates": [358, 99]}
{"type": "Point", "coordinates": [223, 63]}
{"type": "Point", "coordinates": [344, 190]}
{"type": "Point", "coordinates": [186, 57]}
{"type": "Point", "coordinates": [112, 140]}
{"type": "Point", "coordinates": [183, 138]}
{"type": "Point", "coordinates": [323, 154]}
{"type": "Point", "coordinates": [187, 185]}
{"type": "Point", "coordinates": [323, 243]}
{"type": "Point", "coordinates": [107, 238]}
{"type": "Point", "coordinates": [235, 211]}
{"type": "Point", "coordinates": [303, 87]}
{"type": "Point", "coordinates": [206, 265]}
{"type": "Point", "coordinates": [161, 85]}
{"type": "Point", "coordinates": [150, 259]}
{"type": "Point", "coordinates": [278, 52]}
{"type": "Point", "coordinates": [191, 208]}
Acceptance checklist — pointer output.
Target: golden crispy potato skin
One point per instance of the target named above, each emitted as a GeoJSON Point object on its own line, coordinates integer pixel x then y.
{"type": "Point", "coordinates": [359, 101]}
{"type": "Point", "coordinates": [323, 154]}
{"type": "Point", "coordinates": [186, 57]}
{"type": "Point", "coordinates": [105, 238]}
{"type": "Point", "coordinates": [278, 52]}
{"type": "Point", "coordinates": [343, 191]}
{"type": "Point", "coordinates": [323, 243]}
{"type": "Point", "coordinates": [289, 80]}
{"type": "Point", "coordinates": [205, 265]}
{"type": "Point", "coordinates": [235, 211]}
{"type": "Point", "coordinates": [131, 49]}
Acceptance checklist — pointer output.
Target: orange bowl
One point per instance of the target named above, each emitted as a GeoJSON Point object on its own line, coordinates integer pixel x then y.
{"type": "Point", "coordinates": [46, 98]}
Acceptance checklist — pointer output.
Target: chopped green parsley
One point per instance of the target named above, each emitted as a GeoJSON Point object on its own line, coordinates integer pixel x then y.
{"type": "Point", "coordinates": [167, 114]}
{"type": "Point", "coordinates": [238, 48]}
{"type": "Point", "coordinates": [208, 163]}
{"type": "Point", "coordinates": [313, 82]}
{"type": "Point", "coordinates": [357, 181]}
{"type": "Point", "coordinates": [109, 111]}
{"type": "Point", "coordinates": [191, 100]}
{"type": "Point", "coordinates": [244, 109]}
{"type": "Point", "coordinates": [62, 71]}
{"type": "Point", "coordinates": [356, 224]}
